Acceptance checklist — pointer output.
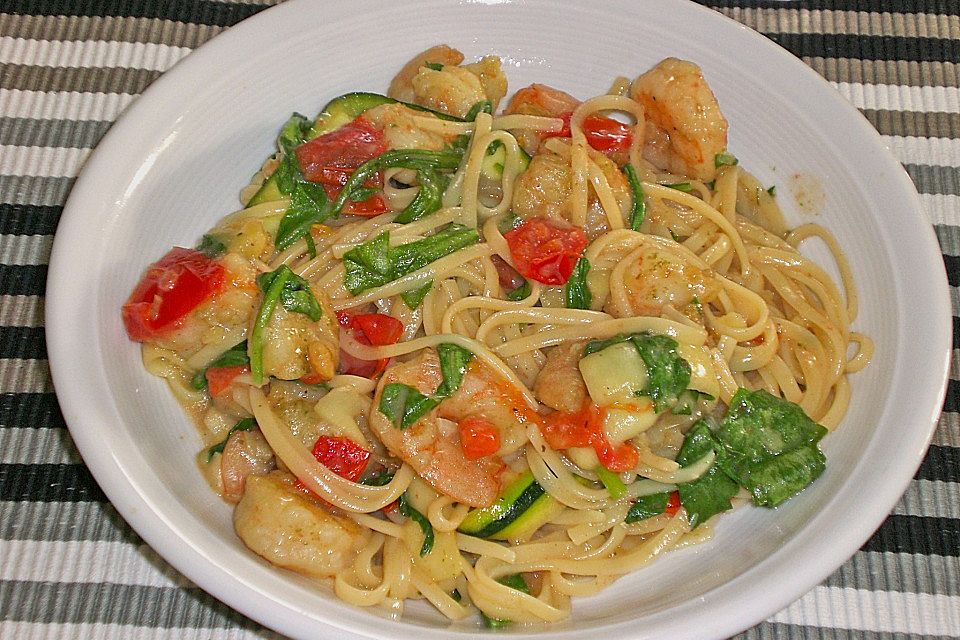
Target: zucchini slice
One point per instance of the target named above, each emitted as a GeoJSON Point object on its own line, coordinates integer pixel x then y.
{"type": "Point", "coordinates": [494, 161]}
{"type": "Point", "coordinates": [522, 509]}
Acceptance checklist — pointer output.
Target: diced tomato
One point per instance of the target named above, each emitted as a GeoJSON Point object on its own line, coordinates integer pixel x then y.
{"type": "Point", "coordinates": [380, 329]}
{"type": "Point", "coordinates": [341, 455]}
{"type": "Point", "coordinates": [584, 428]}
{"type": "Point", "coordinates": [372, 206]}
{"type": "Point", "coordinates": [345, 148]}
{"type": "Point", "coordinates": [546, 250]}
{"type": "Point", "coordinates": [374, 329]}
{"type": "Point", "coordinates": [673, 504]}
{"type": "Point", "coordinates": [478, 437]}
{"type": "Point", "coordinates": [606, 135]}
{"type": "Point", "coordinates": [170, 289]}
{"type": "Point", "coordinates": [219, 378]}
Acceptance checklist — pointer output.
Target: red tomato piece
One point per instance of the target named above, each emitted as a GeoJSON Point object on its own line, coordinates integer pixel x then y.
{"type": "Point", "coordinates": [343, 456]}
{"type": "Point", "coordinates": [673, 504]}
{"type": "Point", "coordinates": [219, 378]}
{"type": "Point", "coordinates": [478, 437]}
{"type": "Point", "coordinates": [546, 250]}
{"type": "Point", "coordinates": [374, 329]}
{"type": "Point", "coordinates": [345, 148]}
{"type": "Point", "coordinates": [607, 135]}
{"type": "Point", "coordinates": [171, 288]}
{"type": "Point", "coordinates": [584, 428]}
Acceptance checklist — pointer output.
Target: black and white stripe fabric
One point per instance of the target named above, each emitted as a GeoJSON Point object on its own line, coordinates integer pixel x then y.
{"type": "Point", "coordinates": [69, 565]}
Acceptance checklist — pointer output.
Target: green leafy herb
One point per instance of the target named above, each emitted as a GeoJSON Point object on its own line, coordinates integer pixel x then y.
{"type": "Point", "coordinates": [235, 356]}
{"type": "Point", "coordinates": [769, 446]}
{"type": "Point", "coordinates": [375, 263]}
{"type": "Point", "coordinates": [514, 581]}
{"type": "Point", "coordinates": [378, 479]}
{"type": "Point", "coordinates": [686, 187]}
{"type": "Point", "coordinates": [418, 159]}
{"type": "Point", "coordinates": [520, 292]}
{"type": "Point", "coordinates": [509, 222]}
{"type": "Point", "coordinates": [212, 246]}
{"type": "Point", "coordinates": [455, 594]}
{"type": "Point", "coordinates": [668, 373]}
{"type": "Point", "coordinates": [639, 210]}
{"type": "Point", "coordinates": [686, 402]}
{"type": "Point", "coordinates": [404, 405]}
{"type": "Point", "coordinates": [724, 158]}
{"type": "Point", "coordinates": [436, 66]}
{"type": "Point", "coordinates": [292, 134]}
{"type": "Point", "coordinates": [612, 482]}
{"type": "Point", "coordinates": [647, 507]}
{"type": "Point", "coordinates": [576, 293]}
{"type": "Point", "coordinates": [453, 365]}
{"type": "Point", "coordinates": [710, 493]}
{"type": "Point", "coordinates": [293, 292]}
{"type": "Point", "coordinates": [772, 191]}
{"type": "Point", "coordinates": [245, 424]}
{"type": "Point", "coordinates": [414, 297]}
{"type": "Point", "coordinates": [484, 106]}
{"type": "Point", "coordinates": [309, 205]}
{"type": "Point", "coordinates": [428, 199]}
{"type": "Point", "coordinates": [408, 511]}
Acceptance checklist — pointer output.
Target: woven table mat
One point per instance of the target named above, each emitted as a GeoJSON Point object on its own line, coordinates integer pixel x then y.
{"type": "Point", "coordinates": [70, 567]}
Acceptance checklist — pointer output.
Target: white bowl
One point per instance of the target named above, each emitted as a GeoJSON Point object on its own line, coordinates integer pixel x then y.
{"type": "Point", "coordinates": [173, 165]}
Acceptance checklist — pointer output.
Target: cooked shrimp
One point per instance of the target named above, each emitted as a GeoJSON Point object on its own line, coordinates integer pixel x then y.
{"type": "Point", "coordinates": [294, 346]}
{"type": "Point", "coordinates": [245, 454]}
{"type": "Point", "coordinates": [432, 445]}
{"type": "Point", "coordinates": [539, 100]}
{"type": "Point", "coordinates": [291, 529]}
{"type": "Point", "coordinates": [560, 385]}
{"type": "Point", "coordinates": [685, 128]}
{"type": "Point", "coordinates": [400, 128]}
{"type": "Point", "coordinates": [655, 279]}
{"type": "Point", "coordinates": [544, 189]}
{"type": "Point", "coordinates": [401, 87]}
{"type": "Point", "coordinates": [455, 90]}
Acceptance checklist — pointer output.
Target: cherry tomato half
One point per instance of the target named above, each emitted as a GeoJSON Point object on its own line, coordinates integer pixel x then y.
{"type": "Point", "coordinates": [171, 288]}
{"type": "Point", "coordinates": [374, 329]}
{"type": "Point", "coordinates": [341, 455]}
{"type": "Point", "coordinates": [606, 135]}
{"type": "Point", "coordinates": [345, 148]}
{"type": "Point", "coordinates": [546, 250]}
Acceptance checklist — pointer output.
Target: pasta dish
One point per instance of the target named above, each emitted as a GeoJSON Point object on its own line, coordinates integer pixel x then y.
{"type": "Point", "coordinates": [494, 353]}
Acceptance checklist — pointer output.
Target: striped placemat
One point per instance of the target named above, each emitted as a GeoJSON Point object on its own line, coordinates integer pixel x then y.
{"type": "Point", "coordinates": [70, 567]}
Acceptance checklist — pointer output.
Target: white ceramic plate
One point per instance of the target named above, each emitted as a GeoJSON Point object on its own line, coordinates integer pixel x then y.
{"type": "Point", "coordinates": [175, 161]}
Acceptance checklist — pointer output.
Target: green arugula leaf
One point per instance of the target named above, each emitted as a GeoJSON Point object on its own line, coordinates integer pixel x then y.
{"type": "Point", "coordinates": [724, 158]}
{"type": "Point", "coordinates": [404, 405]}
{"type": "Point", "coordinates": [639, 209]}
{"type": "Point", "coordinates": [428, 199]}
{"type": "Point", "coordinates": [772, 191]}
{"type": "Point", "coordinates": [769, 446]}
{"type": "Point", "coordinates": [408, 511]}
{"type": "Point", "coordinates": [414, 297]}
{"type": "Point", "coordinates": [375, 263]}
{"type": "Point", "coordinates": [686, 187]}
{"type": "Point", "coordinates": [709, 494]}
{"type": "Point", "coordinates": [308, 206]}
{"type": "Point", "coordinates": [453, 365]}
{"type": "Point", "coordinates": [436, 66]}
{"type": "Point", "coordinates": [378, 479]}
{"type": "Point", "coordinates": [514, 581]}
{"type": "Point", "coordinates": [246, 424]}
{"type": "Point", "coordinates": [211, 246]}
{"type": "Point", "coordinates": [520, 292]}
{"type": "Point", "coordinates": [647, 506]}
{"type": "Point", "coordinates": [483, 106]}
{"type": "Point", "coordinates": [576, 293]}
{"type": "Point", "coordinates": [612, 482]}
